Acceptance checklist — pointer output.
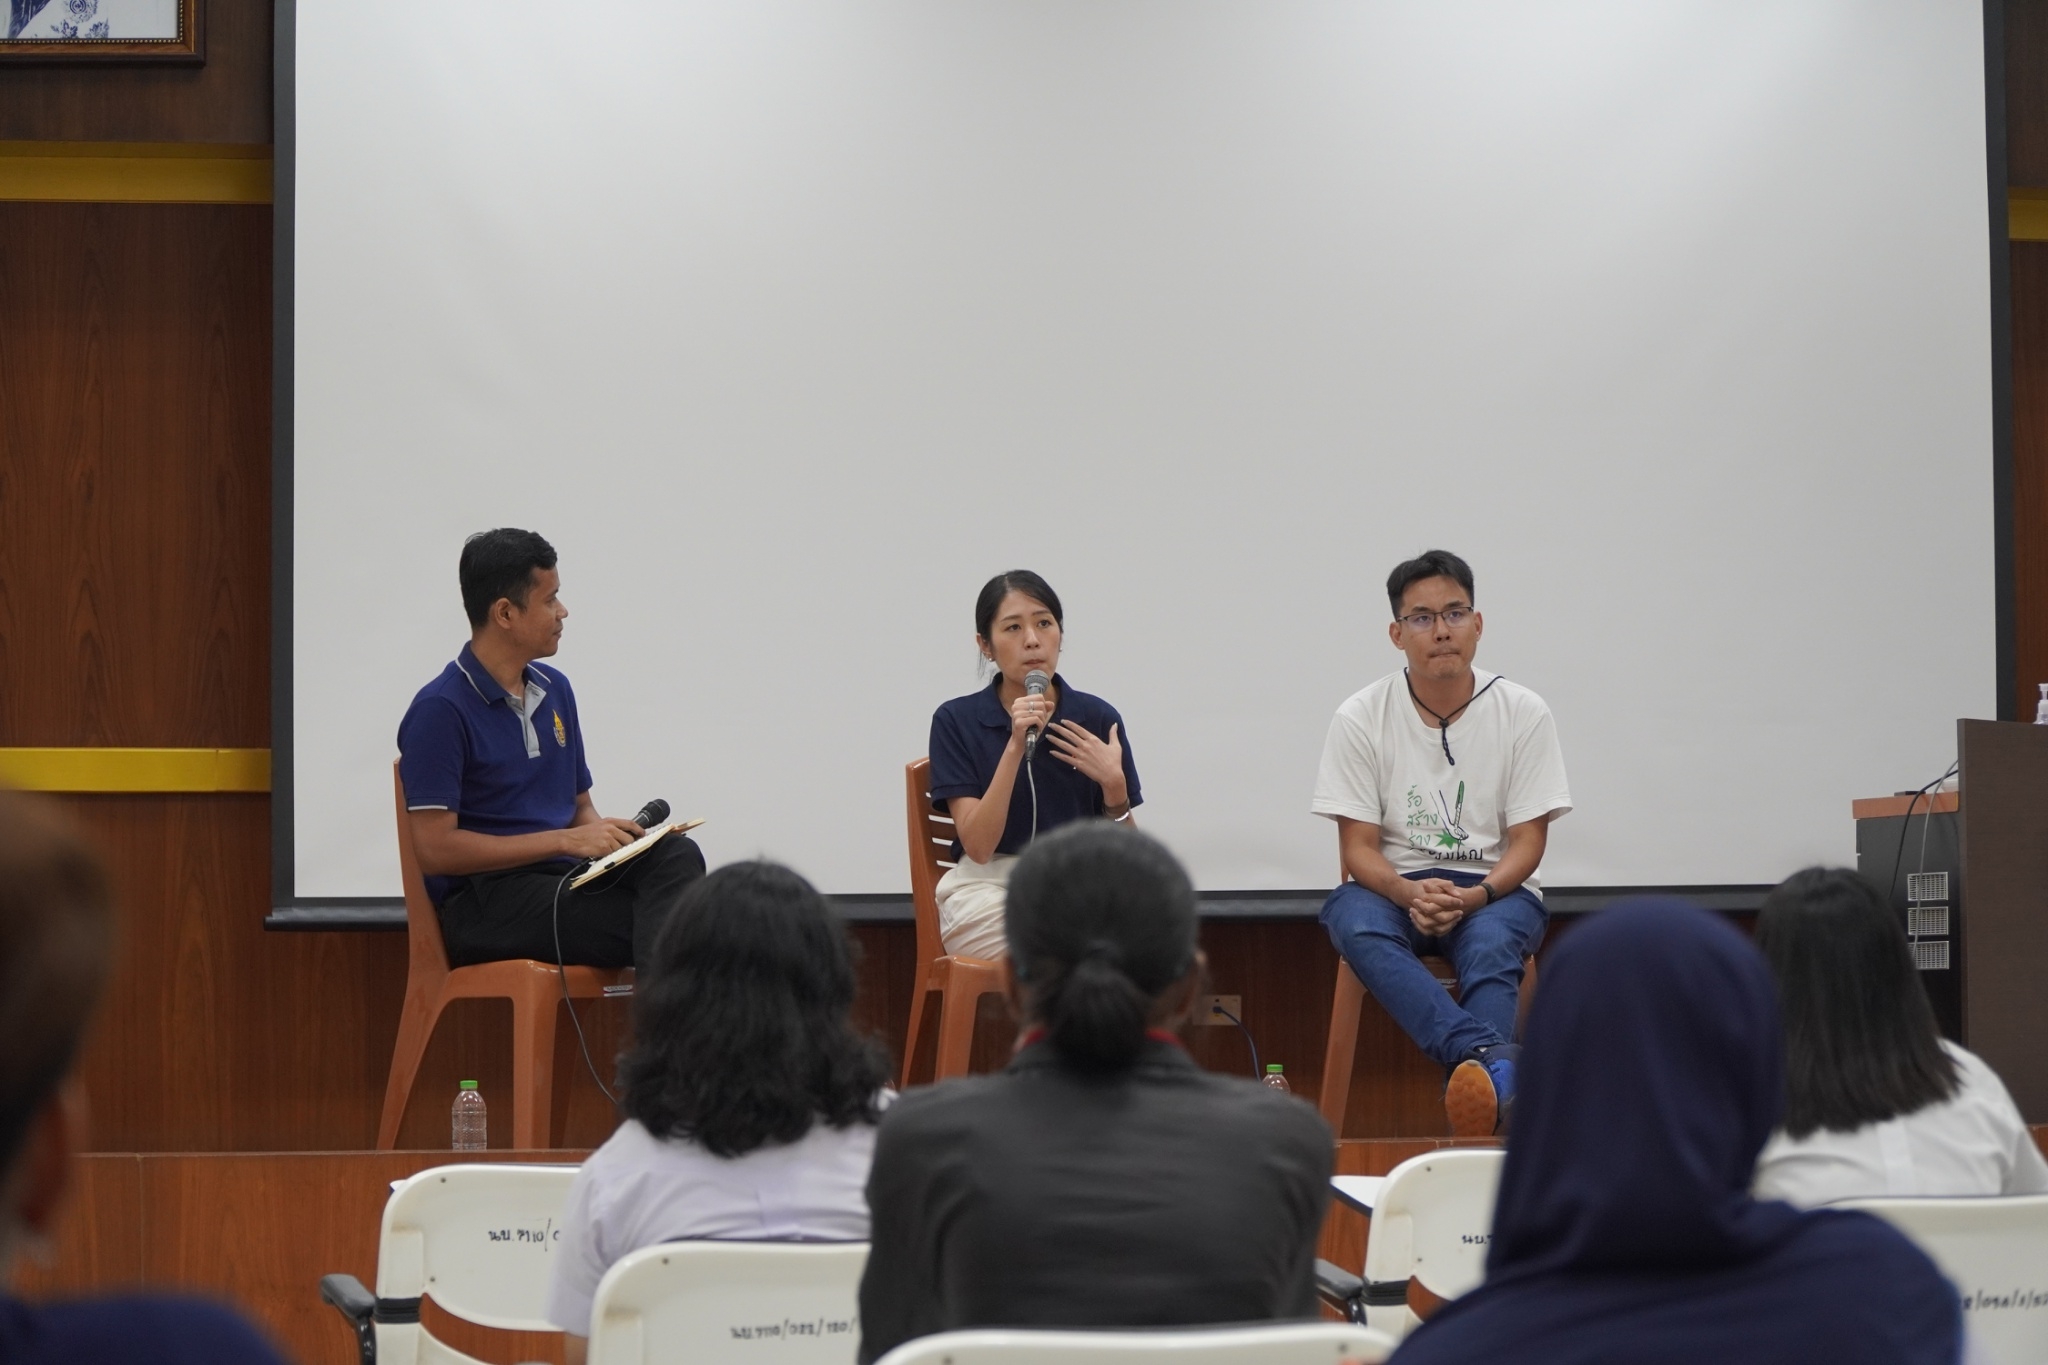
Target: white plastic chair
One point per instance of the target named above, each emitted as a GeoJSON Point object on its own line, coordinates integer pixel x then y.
{"type": "Point", "coordinates": [1317, 1343]}
{"type": "Point", "coordinates": [1995, 1251]}
{"type": "Point", "coordinates": [711, 1302]}
{"type": "Point", "coordinates": [1432, 1220]}
{"type": "Point", "coordinates": [478, 1239]}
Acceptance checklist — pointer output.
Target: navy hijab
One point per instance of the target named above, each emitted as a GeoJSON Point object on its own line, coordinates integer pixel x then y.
{"type": "Point", "coordinates": [1651, 1075]}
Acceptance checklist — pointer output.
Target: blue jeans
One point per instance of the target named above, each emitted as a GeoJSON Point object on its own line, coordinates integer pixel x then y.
{"type": "Point", "coordinates": [1485, 948]}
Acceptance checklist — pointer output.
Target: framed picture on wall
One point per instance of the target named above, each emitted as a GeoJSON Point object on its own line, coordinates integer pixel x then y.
{"type": "Point", "coordinates": [100, 31]}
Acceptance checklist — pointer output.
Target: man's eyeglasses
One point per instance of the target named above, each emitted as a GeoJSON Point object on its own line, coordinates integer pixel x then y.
{"type": "Point", "coordinates": [1422, 621]}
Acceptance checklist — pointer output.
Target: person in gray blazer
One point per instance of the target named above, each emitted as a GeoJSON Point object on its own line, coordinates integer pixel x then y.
{"type": "Point", "coordinates": [1102, 1179]}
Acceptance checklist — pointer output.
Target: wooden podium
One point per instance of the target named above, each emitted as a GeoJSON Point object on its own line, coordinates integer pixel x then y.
{"type": "Point", "coordinates": [1991, 838]}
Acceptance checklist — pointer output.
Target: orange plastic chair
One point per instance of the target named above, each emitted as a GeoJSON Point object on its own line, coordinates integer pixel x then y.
{"type": "Point", "coordinates": [533, 987]}
{"type": "Point", "coordinates": [1342, 1047]}
{"type": "Point", "coordinates": [959, 981]}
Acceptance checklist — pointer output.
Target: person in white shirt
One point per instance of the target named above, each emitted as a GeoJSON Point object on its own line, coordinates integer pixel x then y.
{"type": "Point", "coordinates": [751, 1102]}
{"type": "Point", "coordinates": [1877, 1104]}
{"type": "Point", "coordinates": [1443, 781]}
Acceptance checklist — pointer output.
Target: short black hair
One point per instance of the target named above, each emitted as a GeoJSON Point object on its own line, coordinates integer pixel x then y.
{"type": "Point", "coordinates": [1860, 1041]}
{"type": "Point", "coordinates": [500, 563]}
{"type": "Point", "coordinates": [56, 941]}
{"type": "Point", "coordinates": [1100, 921]}
{"type": "Point", "coordinates": [1002, 585]}
{"type": "Point", "coordinates": [741, 1027]}
{"type": "Point", "coordinates": [1428, 564]}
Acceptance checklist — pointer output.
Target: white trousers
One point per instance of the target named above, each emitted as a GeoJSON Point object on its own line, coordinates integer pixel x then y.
{"type": "Point", "coordinates": [971, 898]}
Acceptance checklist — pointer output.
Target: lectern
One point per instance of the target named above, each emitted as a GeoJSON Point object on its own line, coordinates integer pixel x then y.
{"type": "Point", "coordinates": [1990, 838]}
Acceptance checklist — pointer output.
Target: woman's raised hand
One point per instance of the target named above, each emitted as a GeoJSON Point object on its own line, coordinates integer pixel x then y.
{"type": "Point", "coordinates": [1100, 759]}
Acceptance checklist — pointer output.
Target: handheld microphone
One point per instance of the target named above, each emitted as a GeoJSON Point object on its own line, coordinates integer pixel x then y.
{"type": "Point", "coordinates": [1035, 683]}
{"type": "Point", "coordinates": [652, 814]}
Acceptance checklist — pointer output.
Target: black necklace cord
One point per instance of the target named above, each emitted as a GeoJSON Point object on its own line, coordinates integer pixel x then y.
{"type": "Point", "coordinates": [1443, 723]}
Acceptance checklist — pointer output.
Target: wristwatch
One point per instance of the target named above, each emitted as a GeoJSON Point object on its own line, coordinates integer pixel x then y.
{"type": "Point", "coordinates": [1491, 894]}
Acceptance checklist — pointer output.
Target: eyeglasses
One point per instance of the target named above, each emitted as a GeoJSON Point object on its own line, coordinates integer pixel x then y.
{"type": "Point", "coordinates": [1421, 621]}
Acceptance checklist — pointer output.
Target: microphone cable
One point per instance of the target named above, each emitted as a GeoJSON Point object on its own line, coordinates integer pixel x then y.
{"type": "Point", "coordinates": [562, 971]}
{"type": "Point", "coordinates": [1031, 779]}
{"type": "Point", "coordinates": [1258, 1073]}
{"type": "Point", "coordinates": [1926, 819]}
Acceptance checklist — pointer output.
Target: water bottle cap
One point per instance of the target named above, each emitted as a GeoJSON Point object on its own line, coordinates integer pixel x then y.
{"type": "Point", "coordinates": [469, 1085]}
{"type": "Point", "coordinates": [1274, 1068]}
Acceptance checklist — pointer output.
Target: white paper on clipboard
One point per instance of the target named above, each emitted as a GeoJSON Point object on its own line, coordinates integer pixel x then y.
{"type": "Point", "coordinates": [620, 856]}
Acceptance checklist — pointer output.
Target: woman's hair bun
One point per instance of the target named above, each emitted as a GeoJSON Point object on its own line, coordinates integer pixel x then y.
{"type": "Point", "coordinates": [1100, 920]}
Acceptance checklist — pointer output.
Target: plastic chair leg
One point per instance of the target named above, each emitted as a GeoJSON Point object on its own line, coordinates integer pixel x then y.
{"type": "Point", "coordinates": [917, 1004]}
{"type": "Point", "coordinates": [416, 1020]}
{"type": "Point", "coordinates": [1346, 1003]}
{"type": "Point", "coordinates": [533, 1063]}
{"type": "Point", "coordinates": [968, 979]}
{"type": "Point", "coordinates": [957, 1010]}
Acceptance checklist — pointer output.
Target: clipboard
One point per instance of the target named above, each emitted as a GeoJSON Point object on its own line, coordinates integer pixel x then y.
{"type": "Point", "coordinates": [618, 857]}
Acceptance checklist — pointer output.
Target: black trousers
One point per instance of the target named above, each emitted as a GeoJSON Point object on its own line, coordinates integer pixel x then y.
{"type": "Point", "coordinates": [610, 922]}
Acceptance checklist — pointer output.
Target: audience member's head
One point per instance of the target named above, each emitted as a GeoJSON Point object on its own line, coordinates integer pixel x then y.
{"type": "Point", "coordinates": [741, 1029]}
{"type": "Point", "coordinates": [1102, 931]}
{"type": "Point", "coordinates": [56, 945]}
{"type": "Point", "coordinates": [1860, 1040]}
{"type": "Point", "coordinates": [1651, 1078]}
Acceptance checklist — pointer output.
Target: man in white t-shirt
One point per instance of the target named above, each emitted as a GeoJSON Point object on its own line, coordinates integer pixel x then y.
{"type": "Point", "coordinates": [1443, 781]}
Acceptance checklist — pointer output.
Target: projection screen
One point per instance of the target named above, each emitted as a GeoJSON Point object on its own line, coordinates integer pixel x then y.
{"type": "Point", "coordinates": [791, 321]}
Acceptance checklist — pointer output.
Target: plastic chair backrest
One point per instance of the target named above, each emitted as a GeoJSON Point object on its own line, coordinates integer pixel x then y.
{"type": "Point", "coordinates": [712, 1302]}
{"type": "Point", "coordinates": [1995, 1251]}
{"type": "Point", "coordinates": [1321, 1343]}
{"type": "Point", "coordinates": [1434, 1220]}
{"type": "Point", "coordinates": [477, 1239]}
{"type": "Point", "coordinates": [931, 857]}
{"type": "Point", "coordinates": [422, 926]}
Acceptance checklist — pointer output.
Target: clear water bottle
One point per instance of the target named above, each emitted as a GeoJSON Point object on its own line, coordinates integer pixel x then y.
{"type": "Point", "coordinates": [470, 1131]}
{"type": "Point", "coordinates": [1276, 1076]}
{"type": "Point", "coordinates": [2041, 707]}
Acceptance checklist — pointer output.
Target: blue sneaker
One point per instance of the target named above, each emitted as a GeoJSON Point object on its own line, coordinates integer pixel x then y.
{"type": "Point", "coordinates": [1482, 1091]}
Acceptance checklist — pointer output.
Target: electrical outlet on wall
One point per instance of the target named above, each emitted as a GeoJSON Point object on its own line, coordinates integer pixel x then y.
{"type": "Point", "coordinates": [1205, 1009]}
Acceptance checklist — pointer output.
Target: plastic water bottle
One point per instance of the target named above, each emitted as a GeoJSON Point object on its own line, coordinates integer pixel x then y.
{"type": "Point", "coordinates": [470, 1130]}
{"type": "Point", "coordinates": [2041, 707]}
{"type": "Point", "coordinates": [1276, 1076]}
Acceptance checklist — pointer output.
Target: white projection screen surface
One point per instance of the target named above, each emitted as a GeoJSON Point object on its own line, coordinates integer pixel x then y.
{"type": "Point", "coordinates": [789, 322]}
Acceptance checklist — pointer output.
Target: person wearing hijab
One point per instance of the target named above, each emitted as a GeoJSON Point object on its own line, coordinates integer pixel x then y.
{"type": "Point", "coordinates": [1652, 1073]}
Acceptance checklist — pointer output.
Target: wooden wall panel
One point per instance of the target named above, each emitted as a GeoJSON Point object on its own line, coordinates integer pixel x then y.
{"type": "Point", "coordinates": [219, 1036]}
{"type": "Point", "coordinates": [134, 474]}
{"type": "Point", "coordinates": [255, 1231]}
{"type": "Point", "coordinates": [2030, 468]}
{"type": "Point", "coordinates": [2026, 92]}
{"type": "Point", "coordinates": [226, 100]}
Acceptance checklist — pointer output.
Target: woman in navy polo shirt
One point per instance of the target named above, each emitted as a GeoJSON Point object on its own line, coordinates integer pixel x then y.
{"type": "Point", "coordinates": [1081, 769]}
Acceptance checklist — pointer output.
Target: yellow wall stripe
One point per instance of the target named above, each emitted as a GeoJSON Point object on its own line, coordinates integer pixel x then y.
{"type": "Point", "coordinates": [136, 770]}
{"type": "Point", "coordinates": [135, 172]}
{"type": "Point", "coordinates": [2026, 215]}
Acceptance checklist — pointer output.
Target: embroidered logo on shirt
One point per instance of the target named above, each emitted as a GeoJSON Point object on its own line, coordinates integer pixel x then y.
{"type": "Point", "coordinates": [561, 735]}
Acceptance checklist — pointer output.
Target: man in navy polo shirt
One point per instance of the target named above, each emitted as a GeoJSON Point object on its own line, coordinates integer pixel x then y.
{"type": "Point", "coordinates": [491, 757]}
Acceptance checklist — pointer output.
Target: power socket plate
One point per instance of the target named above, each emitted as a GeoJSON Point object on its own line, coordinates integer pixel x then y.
{"type": "Point", "coordinates": [1205, 1009]}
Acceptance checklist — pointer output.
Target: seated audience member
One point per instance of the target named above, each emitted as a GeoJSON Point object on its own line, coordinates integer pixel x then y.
{"type": "Point", "coordinates": [56, 944]}
{"type": "Point", "coordinates": [1652, 1073]}
{"type": "Point", "coordinates": [1103, 1179]}
{"type": "Point", "coordinates": [750, 1100]}
{"type": "Point", "coordinates": [1877, 1104]}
